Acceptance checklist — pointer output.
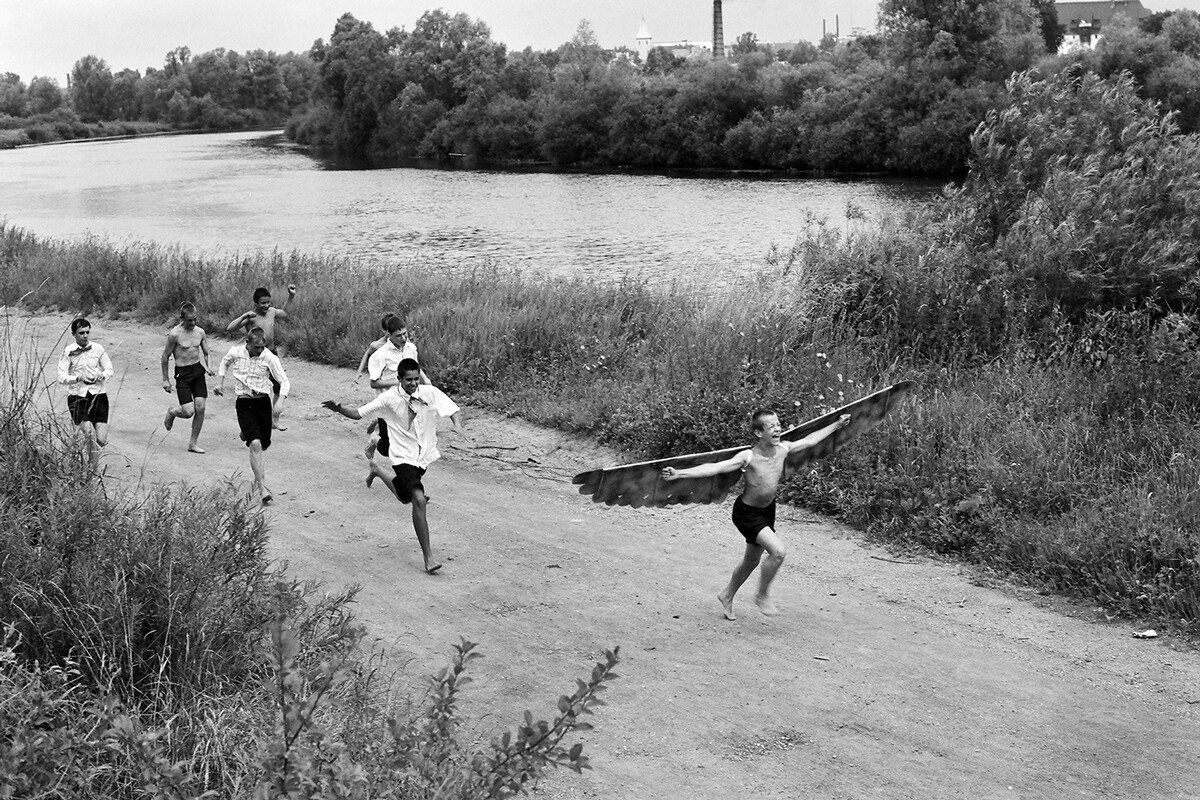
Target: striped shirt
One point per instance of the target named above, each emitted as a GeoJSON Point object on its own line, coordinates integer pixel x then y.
{"type": "Point", "coordinates": [252, 376]}
{"type": "Point", "coordinates": [77, 362]}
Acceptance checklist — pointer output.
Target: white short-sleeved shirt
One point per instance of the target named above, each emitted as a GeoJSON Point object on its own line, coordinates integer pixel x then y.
{"type": "Point", "coordinates": [384, 361]}
{"type": "Point", "coordinates": [412, 422]}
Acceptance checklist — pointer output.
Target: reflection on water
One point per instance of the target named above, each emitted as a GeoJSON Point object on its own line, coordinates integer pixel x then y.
{"type": "Point", "coordinates": [246, 192]}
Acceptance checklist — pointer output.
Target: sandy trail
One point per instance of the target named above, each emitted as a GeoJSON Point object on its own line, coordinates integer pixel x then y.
{"type": "Point", "coordinates": [880, 679]}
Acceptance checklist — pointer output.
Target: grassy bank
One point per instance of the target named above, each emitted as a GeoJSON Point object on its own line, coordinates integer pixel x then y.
{"type": "Point", "coordinates": [148, 649]}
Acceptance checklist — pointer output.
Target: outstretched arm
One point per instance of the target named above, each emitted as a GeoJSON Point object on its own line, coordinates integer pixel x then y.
{"type": "Point", "coordinates": [818, 435]}
{"type": "Point", "coordinates": [345, 411]}
{"type": "Point", "coordinates": [732, 464]}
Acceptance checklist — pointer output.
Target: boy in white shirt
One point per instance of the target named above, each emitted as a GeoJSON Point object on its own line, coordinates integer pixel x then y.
{"type": "Point", "coordinates": [84, 368]}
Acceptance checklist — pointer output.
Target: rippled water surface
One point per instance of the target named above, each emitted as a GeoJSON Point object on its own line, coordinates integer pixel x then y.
{"type": "Point", "coordinates": [245, 192]}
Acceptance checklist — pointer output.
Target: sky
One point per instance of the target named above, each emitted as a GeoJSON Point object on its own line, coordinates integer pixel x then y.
{"type": "Point", "coordinates": [46, 37]}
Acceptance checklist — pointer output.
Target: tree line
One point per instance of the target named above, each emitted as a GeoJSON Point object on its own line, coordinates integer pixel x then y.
{"type": "Point", "coordinates": [905, 99]}
{"type": "Point", "coordinates": [217, 89]}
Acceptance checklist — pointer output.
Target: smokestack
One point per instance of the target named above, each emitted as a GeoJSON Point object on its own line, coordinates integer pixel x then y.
{"type": "Point", "coordinates": [718, 31]}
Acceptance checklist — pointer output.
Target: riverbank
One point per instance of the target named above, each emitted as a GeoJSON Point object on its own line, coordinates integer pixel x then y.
{"type": "Point", "coordinates": [900, 676]}
{"type": "Point", "coordinates": [18, 133]}
{"type": "Point", "coordinates": [1026, 468]}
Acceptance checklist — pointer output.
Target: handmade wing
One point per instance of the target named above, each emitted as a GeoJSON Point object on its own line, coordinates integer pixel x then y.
{"type": "Point", "coordinates": [641, 484]}
{"type": "Point", "coordinates": [865, 413]}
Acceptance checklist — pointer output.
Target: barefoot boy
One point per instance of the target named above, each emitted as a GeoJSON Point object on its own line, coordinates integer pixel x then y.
{"type": "Point", "coordinates": [411, 410]}
{"type": "Point", "coordinates": [264, 316]}
{"type": "Point", "coordinates": [254, 368]}
{"type": "Point", "coordinates": [188, 345]}
{"type": "Point", "coordinates": [84, 368]}
{"type": "Point", "coordinates": [382, 364]}
{"type": "Point", "coordinates": [754, 511]}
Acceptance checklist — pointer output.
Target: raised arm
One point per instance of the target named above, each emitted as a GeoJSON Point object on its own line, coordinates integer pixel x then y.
{"type": "Point", "coordinates": [240, 321]}
{"type": "Point", "coordinates": [732, 464]}
{"type": "Point", "coordinates": [281, 313]}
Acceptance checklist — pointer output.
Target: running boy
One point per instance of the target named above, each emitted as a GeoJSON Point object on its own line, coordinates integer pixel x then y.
{"type": "Point", "coordinates": [411, 410]}
{"type": "Point", "coordinates": [264, 316]}
{"type": "Point", "coordinates": [84, 368]}
{"type": "Point", "coordinates": [382, 369]}
{"type": "Point", "coordinates": [254, 369]}
{"type": "Point", "coordinates": [754, 511]}
{"type": "Point", "coordinates": [188, 345]}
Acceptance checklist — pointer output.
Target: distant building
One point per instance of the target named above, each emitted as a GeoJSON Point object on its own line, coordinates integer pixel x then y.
{"type": "Point", "coordinates": [1084, 22]}
{"type": "Point", "coordinates": [680, 49]}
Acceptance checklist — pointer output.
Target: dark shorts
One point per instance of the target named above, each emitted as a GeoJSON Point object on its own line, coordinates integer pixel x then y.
{"type": "Point", "coordinates": [254, 419]}
{"type": "Point", "coordinates": [190, 383]}
{"type": "Point", "coordinates": [407, 479]}
{"type": "Point", "coordinates": [382, 447]}
{"type": "Point", "coordinates": [91, 408]}
{"type": "Point", "coordinates": [750, 520]}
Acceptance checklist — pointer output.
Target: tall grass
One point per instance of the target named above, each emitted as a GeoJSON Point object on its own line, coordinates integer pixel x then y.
{"type": "Point", "coordinates": [149, 649]}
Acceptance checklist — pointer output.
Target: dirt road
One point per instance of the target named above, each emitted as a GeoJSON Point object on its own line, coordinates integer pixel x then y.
{"type": "Point", "coordinates": [880, 679]}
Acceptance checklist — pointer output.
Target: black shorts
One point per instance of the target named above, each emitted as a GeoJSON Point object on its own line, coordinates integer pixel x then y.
{"type": "Point", "coordinates": [750, 520]}
{"type": "Point", "coordinates": [407, 479]}
{"type": "Point", "coordinates": [91, 408]}
{"type": "Point", "coordinates": [254, 419]}
{"type": "Point", "coordinates": [190, 383]}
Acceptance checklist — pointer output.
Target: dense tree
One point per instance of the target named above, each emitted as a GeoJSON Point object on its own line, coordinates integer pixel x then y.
{"type": "Point", "coordinates": [12, 95]}
{"type": "Point", "coordinates": [44, 96]}
{"type": "Point", "coordinates": [91, 88]}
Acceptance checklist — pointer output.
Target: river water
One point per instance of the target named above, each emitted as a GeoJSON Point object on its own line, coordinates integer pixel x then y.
{"type": "Point", "coordinates": [240, 193]}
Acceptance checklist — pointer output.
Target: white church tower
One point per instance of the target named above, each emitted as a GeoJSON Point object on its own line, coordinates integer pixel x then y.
{"type": "Point", "coordinates": [643, 42]}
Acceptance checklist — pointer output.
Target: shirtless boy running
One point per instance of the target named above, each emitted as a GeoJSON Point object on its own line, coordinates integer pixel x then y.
{"type": "Point", "coordinates": [754, 511]}
{"type": "Point", "coordinates": [188, 345]}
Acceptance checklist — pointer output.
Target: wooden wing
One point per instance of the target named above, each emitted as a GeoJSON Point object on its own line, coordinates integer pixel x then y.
{"type": "Point", "coordinates": [641, 484]}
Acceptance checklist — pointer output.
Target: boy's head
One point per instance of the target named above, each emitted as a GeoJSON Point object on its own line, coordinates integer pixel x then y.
{"type": "Point", "coordinates": [81, 329]}
{"type": "Point", "coordinates": [187, 315]}
{"type": "Point", "coordinates": [397, 331]}
{"type": "Point", "coordinates": [256, 342]}
{"type": "Point", "coordinates": [262, 298]}
{"type": "Point", "coordinates": [408, 372]}
{"type": "Point", "coordinates": [765, 423]}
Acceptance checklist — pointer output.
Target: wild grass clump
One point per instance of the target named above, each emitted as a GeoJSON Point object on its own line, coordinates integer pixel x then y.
{"type": "Point", "coordinates": [149, 649]}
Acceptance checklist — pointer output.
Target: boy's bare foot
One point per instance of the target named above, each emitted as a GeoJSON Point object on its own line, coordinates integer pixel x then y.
{"type": "Point", "coordinates": [766, 606]}
{"type": "Point", "coordinates": [369, 450]}
{"type": "Point", "coordinates": [432, 569]}
{"type": "Point", "coordinates": [727, 604]}
{"type": "Point", "coordinates": [169, 421]}
{"type": "Point", "coordinates": [370, 478]}
{"type": "Point", "coordinates": [276, 426]}
{"type": "Point", "coordinates": [195, 449]}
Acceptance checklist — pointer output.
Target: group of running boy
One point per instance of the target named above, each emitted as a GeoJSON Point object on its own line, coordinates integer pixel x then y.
{"type": "Point", "coordinates": [403, 430]}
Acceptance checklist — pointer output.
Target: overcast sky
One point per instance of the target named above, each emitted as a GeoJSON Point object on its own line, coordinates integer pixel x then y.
{"type": "Point", "coordinates": [45, 37]}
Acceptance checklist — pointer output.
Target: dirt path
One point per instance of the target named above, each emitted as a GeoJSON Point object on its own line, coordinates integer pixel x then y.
{"type": "Point", "coordinates": [881, 679]}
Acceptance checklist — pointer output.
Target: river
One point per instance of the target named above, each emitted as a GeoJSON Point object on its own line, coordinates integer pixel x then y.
{"type": "Point", "coordinates": [240, 193]}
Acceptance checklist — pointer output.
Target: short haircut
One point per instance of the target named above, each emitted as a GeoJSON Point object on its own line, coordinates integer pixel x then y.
{"type": "Point", "coordinates": [393, 323]}
{"type": "Point", "coordinates": [256, 335]}
{"type": "Point", "coordinates": [406, 366]}
{"type": "Point", "coordinates": [187, 308]}
{"type": "Point", "coordinates": [261, 292]}
{"type": "Point", "coordinates": [756, 418]}
{"type": "Point", "coordinates": [383, 322]}
{"type": "Point", "coordinates": [79, 322]}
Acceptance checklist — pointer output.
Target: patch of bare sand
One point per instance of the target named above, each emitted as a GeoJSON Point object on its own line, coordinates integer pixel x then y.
{"type": "Point", "coordinates": [880, 679]}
